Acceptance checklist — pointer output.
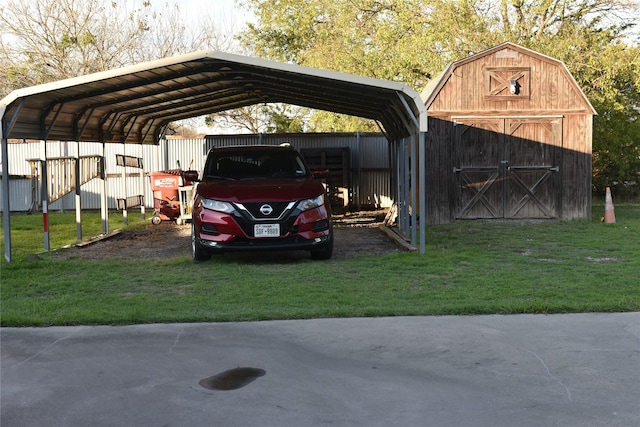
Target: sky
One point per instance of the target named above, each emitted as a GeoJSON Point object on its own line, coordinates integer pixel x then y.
{"type": "Point", "coordinates": [224, 9]}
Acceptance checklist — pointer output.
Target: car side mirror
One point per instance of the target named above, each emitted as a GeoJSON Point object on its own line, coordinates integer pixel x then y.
{"type": "Point", "coordinates": [320, 172]}
{"type": "Point", "coordinates": [190, 176]}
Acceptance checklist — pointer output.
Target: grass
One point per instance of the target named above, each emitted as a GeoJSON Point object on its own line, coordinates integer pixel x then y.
{"type": "Point", "coordinates": [27, 229]}
{"type": "Point", "coordinates": [469, 268]}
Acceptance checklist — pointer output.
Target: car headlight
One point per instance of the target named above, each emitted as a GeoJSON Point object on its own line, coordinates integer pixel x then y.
{"type": "Point", "coordinates": [217, 205]}
{"type": "Point", "coordinates": [311, 203]}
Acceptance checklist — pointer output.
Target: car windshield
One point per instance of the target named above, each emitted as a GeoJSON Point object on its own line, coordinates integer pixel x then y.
{"type": "Point", "coordinates": [243, 164]}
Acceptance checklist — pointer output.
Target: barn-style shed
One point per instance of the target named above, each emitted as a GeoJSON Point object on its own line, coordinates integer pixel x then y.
{"type": "Point", "coordinates": [509, 137]}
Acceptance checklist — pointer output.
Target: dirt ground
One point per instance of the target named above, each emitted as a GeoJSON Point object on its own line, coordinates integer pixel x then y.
{"type": "Point", "coordinates": [355, 234]}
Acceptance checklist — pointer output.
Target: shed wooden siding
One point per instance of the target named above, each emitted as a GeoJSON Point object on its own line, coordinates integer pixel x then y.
{"type": "Point", "coordinates": [548, 110]}
{"type": "Point", "coordinates": [577, 166]}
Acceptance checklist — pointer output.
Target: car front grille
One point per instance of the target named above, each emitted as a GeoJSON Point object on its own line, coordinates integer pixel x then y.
{"type": "Point", "coordinates": [259, 211]}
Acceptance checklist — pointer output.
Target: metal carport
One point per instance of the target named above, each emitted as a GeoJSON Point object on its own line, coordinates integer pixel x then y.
{"type": "Point", "coordinates": [135, 104]}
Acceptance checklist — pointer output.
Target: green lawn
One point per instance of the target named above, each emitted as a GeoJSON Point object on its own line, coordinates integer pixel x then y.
{"type": "Point", "coordinates": [469, 268]}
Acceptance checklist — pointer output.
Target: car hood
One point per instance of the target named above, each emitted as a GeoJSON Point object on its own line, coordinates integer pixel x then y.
{"type": "Point", "coordinates": [260, 190]}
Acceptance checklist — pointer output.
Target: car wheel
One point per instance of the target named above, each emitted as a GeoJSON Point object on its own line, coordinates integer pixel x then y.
{"type": "Point", "coordinates": [197, 252]}
{"type": "Point", "coordinates": [325, 251]}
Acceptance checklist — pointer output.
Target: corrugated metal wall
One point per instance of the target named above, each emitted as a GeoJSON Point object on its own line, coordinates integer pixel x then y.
{"type": "Point", "coordinates": [370, 173]}
{"type": "Point", "coordinates": [369, 162]}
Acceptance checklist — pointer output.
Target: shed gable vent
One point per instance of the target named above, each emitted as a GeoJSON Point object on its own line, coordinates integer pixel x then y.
{"type": "Point", "coordinates": [507, 83]}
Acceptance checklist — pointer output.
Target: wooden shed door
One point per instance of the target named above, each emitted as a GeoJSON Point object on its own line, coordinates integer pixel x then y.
{"type": "Point", "coordinates": [507, 168]}
{"type": "Point", "coordinates": [479, 148]}
{"type": "Point", "coordinates": [534, 149]}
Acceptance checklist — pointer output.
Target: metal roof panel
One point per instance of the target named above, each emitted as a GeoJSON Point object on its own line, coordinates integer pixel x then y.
{"type": "Point", "coordinates": [132, 104]}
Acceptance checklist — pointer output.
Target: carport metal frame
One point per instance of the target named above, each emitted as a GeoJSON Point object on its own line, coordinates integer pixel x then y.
{"type": "Point", "coordinates": [135, 105]}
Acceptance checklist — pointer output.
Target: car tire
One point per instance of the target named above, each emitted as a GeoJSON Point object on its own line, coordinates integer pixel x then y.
{"type": "Point", "coordinates": [198, 253]}
{"type": "Point", "coordinates": [325, 251]}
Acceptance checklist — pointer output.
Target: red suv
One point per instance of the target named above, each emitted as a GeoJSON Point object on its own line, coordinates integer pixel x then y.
{"type": "Point", "coordinates": [259, 197]}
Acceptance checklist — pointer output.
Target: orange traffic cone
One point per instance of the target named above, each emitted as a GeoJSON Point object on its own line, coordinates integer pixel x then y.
{"type": "Point", "coordinates": [609, 215]}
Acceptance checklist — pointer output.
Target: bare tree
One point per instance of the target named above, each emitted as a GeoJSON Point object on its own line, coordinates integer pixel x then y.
{"type": "Point", "coordinates": [249, 119]}
{"type": "Point", "coordinates": [44, 41]}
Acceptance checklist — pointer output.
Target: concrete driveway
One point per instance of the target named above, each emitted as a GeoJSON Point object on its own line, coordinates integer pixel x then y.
{"type": "Point", "coordinates": [525, 370]}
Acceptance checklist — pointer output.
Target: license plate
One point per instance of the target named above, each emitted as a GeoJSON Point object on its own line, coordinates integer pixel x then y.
{"type": "Point", "coordinates": [266, 230]}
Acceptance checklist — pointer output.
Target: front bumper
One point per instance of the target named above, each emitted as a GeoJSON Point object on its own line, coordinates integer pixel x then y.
{"type": "Point", "coordinates": [220, 232]}
{"type": "Point", "coordinates": [288, 243]}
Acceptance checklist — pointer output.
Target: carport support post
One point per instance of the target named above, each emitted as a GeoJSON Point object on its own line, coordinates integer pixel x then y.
{"type": "Point", "coordinates": [124, 184]}
{"type": "Point", "coordinates": [44, 192]}
{"type": "Point", "coordinates": [104, 211]}
{"type": "Point", "coordinates": [142, 210]}
{"type": "Point", "coordinates": [414, 189]}
{"type": "Point", "coordinates": [423, 185]}
{"type": "Point", "coordinates": [405, 217]}
{"type": "Point", "coordinates": [357, 183]}
{"type": "Point", "coordinates": [397, 147]}
{"type": "Point", "coordinates": [402, 158]}
{"type": "Point", "coordinates": [6, 210]}
{"type": "Point", "coordinates": [78, 170]}
{"type": "Point", "coordinates": [402, 175]}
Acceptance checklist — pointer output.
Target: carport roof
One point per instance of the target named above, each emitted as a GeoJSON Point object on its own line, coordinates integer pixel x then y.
{"type": "Point", "coordinates": [135, 104]}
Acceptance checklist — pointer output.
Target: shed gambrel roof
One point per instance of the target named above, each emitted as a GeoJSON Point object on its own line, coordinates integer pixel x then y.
{"type": "Point", "coordinates": [433, 87]}
{"type": "Point", "coordinates": [134, 104]}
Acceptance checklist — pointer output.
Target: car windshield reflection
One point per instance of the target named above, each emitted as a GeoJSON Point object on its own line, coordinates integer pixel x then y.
{"type": "Point", "coordinates": [242, 165]}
